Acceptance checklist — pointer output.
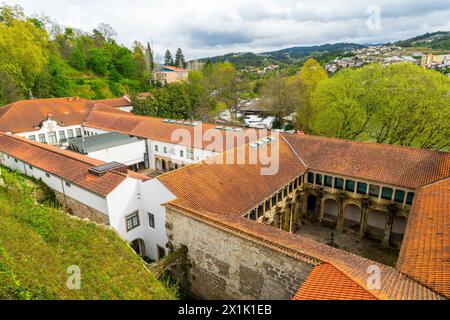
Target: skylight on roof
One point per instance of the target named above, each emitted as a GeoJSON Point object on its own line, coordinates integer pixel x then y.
{"type": "Point", "coordinates": [238, 129]}
{"type": "Point", "coordinates": [219, 127]}
{"type": "Point", "coordinates": [253, 145]}
{"type": "Point", "coordinates": [166, 120]}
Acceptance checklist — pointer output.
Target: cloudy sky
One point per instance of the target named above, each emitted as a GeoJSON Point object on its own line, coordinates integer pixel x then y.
{"type": "Point", "coordinates": [210, 27]}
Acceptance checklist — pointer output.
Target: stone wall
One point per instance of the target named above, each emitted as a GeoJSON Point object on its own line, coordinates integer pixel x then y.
{"type": "Point", "coordinates": [226, 266]}
{"type": "Point", "coordinates": [81, 210]}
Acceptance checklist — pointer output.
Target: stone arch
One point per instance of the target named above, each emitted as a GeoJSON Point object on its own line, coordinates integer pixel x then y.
{"type": "Point", "coordinates": [158, 164]}
{"type": "Point", "coordinates": [376, 221]}
{"type": "Point", "coordinates": [311, 204]}
{"type": "Point", "coordinates": [330, 209]}
{"type": "Point", "coordinates": [163, 165]}
{"type": "Point", "coordinates": [176, 166]}
{"type": "Point", "coordinates": [138, 246]}
{"type": "Point", "coordinates": [352, 215]}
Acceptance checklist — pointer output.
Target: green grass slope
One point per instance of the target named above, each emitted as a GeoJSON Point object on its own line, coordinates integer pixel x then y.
{"type": "Point", "coordinates": [38, 243]}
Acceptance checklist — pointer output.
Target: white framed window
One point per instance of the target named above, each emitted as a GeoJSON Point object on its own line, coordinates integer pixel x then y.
{"type": "Point", "coordinates": [151, 220]}
{"type": "Point", "coordinates": [181, 153]}
{"type": "Point", "coordinates": [68, 184]}
{"type": "Point", "coordinates": [32, 137]}
{"type": "Point", "coordinates": [165, 149]}
{"type": "Point", "coordinates": [70, 133]}
{"type": "Point", "coordinates": [156, 148]}
{"type": "Point", "coordinates": [42, 138]}
{"type": "Point", "coordinates": [190, 153]}
{"type": "Point", "coordinates": [47, 175]}
{"type": "Point", "coordinates": [78, 132]}
{"type": "Point", "coordinates": [132, 221]}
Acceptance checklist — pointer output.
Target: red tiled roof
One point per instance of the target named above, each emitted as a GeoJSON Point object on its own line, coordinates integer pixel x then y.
{"type": "Point", "coordinates": [425, 251]}
{"type": "Point", "coordinates": [325, 282]}
{"type": "Point", "coordinates": [27, 115]}
{"type": "Point", "coordinates": [155, 129]}
{"type": "Point", "coordinates": [393, 286]}
{"type": "Point", "coordinates": [66, 111]}
{"type": "Point", "coordinates": [231, 187]}
{"type": "Point", "coordinates": [70, 166]}
{"type": "Point", "coordinates": [172, 68]}
{"type": "Point", "coordinates": [390, 164]}
{"type": "Point", "coordinates": [115, 102]}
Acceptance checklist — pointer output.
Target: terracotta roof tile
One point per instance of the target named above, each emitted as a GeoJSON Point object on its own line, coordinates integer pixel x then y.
{"type": "Point", "coordinates": [154, 128]}
{"type": "Point", "coordinates": [325, 282]}
{"type": "Point", "coordinates": [390, 164]}
{"type": "Point", "coordinates": [67, 111]}
{"type": "Point", "coordinates": [70, 166]}
{"type": "Point", "coordinates": [115, 102]}
{"type": "Point", "coordinates": [425, 252]}
{"type": "Point", "coordinates": [394, 285]}
{"type": "Point", "coordinates": [233, 188]}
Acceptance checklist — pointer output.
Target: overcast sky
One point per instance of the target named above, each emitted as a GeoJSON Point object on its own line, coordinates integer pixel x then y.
{"type": "Point", "coordinates": [210, 27]}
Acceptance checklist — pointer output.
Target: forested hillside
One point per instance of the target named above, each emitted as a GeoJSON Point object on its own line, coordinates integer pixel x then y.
{"type": "Point", "coordinates": [38, 57]}
{"type": "Point", "coordinates": [40, 247]}
{"type": "Point", "coordinates": [435, 40]}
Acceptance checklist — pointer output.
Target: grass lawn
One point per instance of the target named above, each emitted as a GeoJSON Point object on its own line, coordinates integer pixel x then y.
{"type": "Point", "coordinates": [39, 242]}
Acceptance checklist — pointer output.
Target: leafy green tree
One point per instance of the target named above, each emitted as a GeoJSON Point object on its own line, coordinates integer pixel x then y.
{"type": "Point", "coordinates": [9, 89]}
{"type": "Point", "coordinates": [180, 62]}
{"type": "Point", "coordinates": [168, 59]}
{"type": "Point", "coordinates": [397, 104]}
{"type": "Point", "coordinates": [127, 66]}
{"type": "Point", "coordinates": [78, 59]}
{"type": "Point", "coordinates": [25, 61]}
{"type": "Point", "coordinates": [280, 95]}
{"type": "Point", "coordinates": [99, 60]}
{"type": "Point", "coordinates": [310, 75]}
{"type": "Point", "coordinates": [60, 81]}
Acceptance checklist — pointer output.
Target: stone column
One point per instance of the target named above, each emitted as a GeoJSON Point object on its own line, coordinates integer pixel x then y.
{"type": "Point", "coordinates": [364, 218]}
{"type": "Point", "coordinates": [319, 205]}
{"type": "Point", "coordinates": [341, 213]}
{"type": "Point", "coordinates": [388, 225]}
{"type": "Point", "coordinates": [287, 217]}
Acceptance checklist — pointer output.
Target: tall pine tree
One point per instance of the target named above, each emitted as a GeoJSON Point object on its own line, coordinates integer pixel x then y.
{"type": "Point", "coordinates": [168, 59]}
{"type": "Point", "coordinates": [180, 62]}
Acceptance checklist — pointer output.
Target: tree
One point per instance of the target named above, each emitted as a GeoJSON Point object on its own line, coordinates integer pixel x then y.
{"type": "Point", "coordinates": [24, 62]}
{"type": "Point", "coordinates": [310, 75]}
{"type": "Point", "coordinates": [168, 59]}
{"type": "Point", "coordinates": [397, 104]}
{"type": "Point", "coordinates": [9, 89]}
{"type": "Point", "coordinates": [106, 31]}
{"type": "Point", "coordinates": [280, 95]}
{"type": "Point", "coordinates": [180, 62]}
{"type": "Point", "coordinates": [77, 59]}
{"type": "Point", "coordinates": [99, 60]}
{"type": "Point", "coordinates": [139, 59]}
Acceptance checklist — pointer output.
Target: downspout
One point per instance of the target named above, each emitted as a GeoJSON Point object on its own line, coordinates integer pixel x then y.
{"type": "Point", "coordinates": [64, 193]}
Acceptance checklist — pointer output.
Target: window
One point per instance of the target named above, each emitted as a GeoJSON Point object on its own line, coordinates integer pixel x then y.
{"type": "Point", "coordinates": [362, 188]}
{"type": "Point", "coordinates": [33, 138]}
{"type": "Point", "coordinates": [268, 205]}
{"type": "Point", "coordinates": [280, 196]}
{"type": "Point", "coordinates": [410, 198]}
{"type": "Point", "coordinates": [181, 153]}
{"type": "Point", "coordinates": [30, 166]}
{"type": "Point", "coordinates": [399, 196]}
{"type": "Point", "coordinates": [260, 210]}
{"type": "Point", "coordinates": [190, 153]}
{"type": "Point", "coordinates": [328, 181]}
{"type": "Point", "coordinates": [296, 184]}
{"type": "Point", "coordinates": [151, 220]}
{"type": "Point", "coordinates": [78, 132]}
{"type": "Point", "coordinates": [374, 190]}
{"type": "Point", "coordinates": [47, 175]}
{"type": "Point", "coordinates": [42, 138]}
{"type": "Point", "coordinates": [165, 149]}
{"type": "Point", "coordinates": [15, 160]}
{"type": "Point", "coordinates": [68, 184]}
{"type": "Point", "coordinates": [161, 252]}
{"type": "Point", "coordinates": [274, 200]}
{"type": "Point", "coordinates": [156, 148]}
{"type": "Point", "coordinates": [70, 133]}
{"type": "Point", "coordinates": [350, 185]}
{"type": "Point", "coordinates": [62, 136]}
{"type": "Point", "coordinates": [310, 177]}
{"type": "Point", "coordinates": [132, 221]}
{"type": "Point", "coordinates": [386, 193]}
{"type": "Point", "coordinates": [339, 183]}
{"type": "Point", "coordinates": [52, 138]}
{"type": "Point", "coordinates": [318, 179]}
{"type": "Point", "coordinates": [253, 215]}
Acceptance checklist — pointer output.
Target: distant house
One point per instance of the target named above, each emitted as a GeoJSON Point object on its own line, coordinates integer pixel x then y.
{"type": "Point", "coordinates": [169, 74]}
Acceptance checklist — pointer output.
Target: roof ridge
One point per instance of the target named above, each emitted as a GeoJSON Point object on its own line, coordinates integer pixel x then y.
{"type": "Point", "coordinates": [296, 153]}
{"type": "Point", "coordinates": [433, 183]}
{"type": "Point", "coordinates": [373, 143]}
{"type": "Point", "coordinates": [61, 152]}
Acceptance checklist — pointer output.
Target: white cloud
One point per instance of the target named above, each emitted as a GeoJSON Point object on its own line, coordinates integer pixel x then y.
{"type": "Point", "coordinates": [209, 27]}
